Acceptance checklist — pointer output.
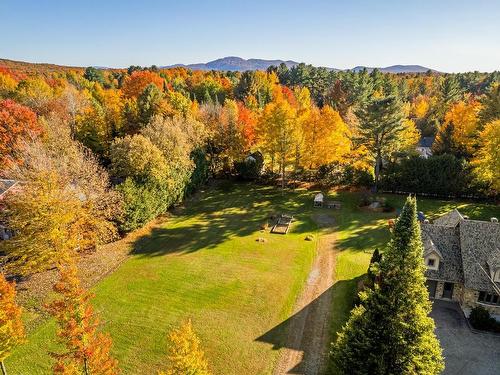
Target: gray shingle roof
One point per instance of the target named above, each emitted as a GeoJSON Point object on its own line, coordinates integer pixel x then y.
{"type": "Point", "coordinates": [480, 241]}
{"type": "Point", "coordinates": [426, 142]}
{"type": "Point", "coordinates": [445, 241]}
{"type": "Point", "coordinates": [449, 219]}
{"type": "Point", "coordinates": [470, 250]}
{"type": "Point", "coordinates": [5, 185]}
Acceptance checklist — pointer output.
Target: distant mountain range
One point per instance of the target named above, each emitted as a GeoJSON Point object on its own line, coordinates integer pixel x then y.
{"type": "Point", "coordinates": [237, 64]}
{"type": "Point", "coordinates": [230, 63]}
{"type": "Point", "coordinates": [397, 69]}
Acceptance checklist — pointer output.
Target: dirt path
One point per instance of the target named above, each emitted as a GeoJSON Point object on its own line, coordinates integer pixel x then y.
{"type": "Point", "coordinates": [306, 347]}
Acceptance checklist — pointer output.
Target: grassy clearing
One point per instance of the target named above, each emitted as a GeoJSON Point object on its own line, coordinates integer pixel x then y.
{"type": "Point", "coordinates": [203, 263]}
{"type": "Point", "coordinates": [360, 231]}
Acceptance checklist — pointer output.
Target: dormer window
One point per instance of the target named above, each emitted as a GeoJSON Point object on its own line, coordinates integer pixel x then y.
{"type": "Point", "coordinates": [432, 262]}
{"type": "Point", "coordinates": [497, 276]}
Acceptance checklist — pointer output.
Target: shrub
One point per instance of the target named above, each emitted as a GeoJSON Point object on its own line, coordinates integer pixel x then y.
{"type": "Point", "coordinates": [441, 175]}
{"type": "Point", "coordinates": [480, 318]}
{"type": "Point", "coordinates": [251, 167]}
{"type": "Point", "coordinates": [340, 174]}
{"type": "Point", "coordinates": [201, 170]}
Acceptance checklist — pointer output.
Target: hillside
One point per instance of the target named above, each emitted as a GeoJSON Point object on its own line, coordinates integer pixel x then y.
{"type": "Point", "coordinates": [22, 67]}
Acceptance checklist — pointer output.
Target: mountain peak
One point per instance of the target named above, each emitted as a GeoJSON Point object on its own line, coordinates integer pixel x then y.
{"type": "Point", "coordinates": [236, 64]}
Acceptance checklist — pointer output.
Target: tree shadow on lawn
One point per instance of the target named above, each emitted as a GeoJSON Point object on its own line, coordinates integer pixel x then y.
{"type": "Point", "coordinates": [220, 214]}
{"type": "Point", "coordinates": [340, 295]}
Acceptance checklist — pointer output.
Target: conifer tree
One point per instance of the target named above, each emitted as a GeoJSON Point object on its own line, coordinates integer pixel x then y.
{"type": "Point", "coordinates": [390, 332]}
{"type": "Point", "coordinates": [380, 127]}
{"type": "Point", "coordinates": [11, 325]}
{"type": "Point", "coordinates": [185, 354]}
{"type": "Point", "coordinates": [87, 350]}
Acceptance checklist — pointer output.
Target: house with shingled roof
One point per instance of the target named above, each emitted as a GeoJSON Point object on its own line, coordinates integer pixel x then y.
{"type": "Point", "coordinates": [462, 257]}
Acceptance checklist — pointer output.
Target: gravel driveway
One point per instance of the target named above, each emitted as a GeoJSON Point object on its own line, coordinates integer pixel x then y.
{"type": "Point", "coordinates": [465, 352]}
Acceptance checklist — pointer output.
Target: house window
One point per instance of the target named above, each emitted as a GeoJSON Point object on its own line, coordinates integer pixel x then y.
{"type": "Point", "coordinates": [431, 262]}
{"type": "Point", "coordinates": [481, 296]}
{"type": "Point", "coordinates": [488, 298]}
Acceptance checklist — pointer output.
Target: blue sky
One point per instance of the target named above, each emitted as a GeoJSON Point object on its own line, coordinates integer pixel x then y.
{"type": "Point", "coordinates": [446, 35]}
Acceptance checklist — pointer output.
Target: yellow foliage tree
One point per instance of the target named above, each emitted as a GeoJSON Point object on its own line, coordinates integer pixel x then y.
{"type": "Point", "coordinates": [51, 224]}
{"type": "Point", "coordinates": [461, 124]}
{"type": "Point", "coordinates": [7, 85]}
{"type": "Point", "coordinates": [326, 137]}
{"type": "Point", "coordinates": [279, 133]}
{"type": "Point", "coordinates": [420, 107]}
{"type": "Point", "coordinates": [11, 326]}
{"type": "Point", "coordinates": [184, 353]}
{"type": "Point", "coordinates": [487, 159]}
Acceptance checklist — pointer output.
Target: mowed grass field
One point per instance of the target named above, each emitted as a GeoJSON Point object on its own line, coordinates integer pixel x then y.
{"type": "Point", "coordinates": [204, 263]}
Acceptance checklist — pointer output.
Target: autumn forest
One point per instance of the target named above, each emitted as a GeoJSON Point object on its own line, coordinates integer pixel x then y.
{"type": "Point", "coordinates": [98, 153]}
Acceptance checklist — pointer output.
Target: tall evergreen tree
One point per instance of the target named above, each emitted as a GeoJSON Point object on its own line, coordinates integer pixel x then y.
{"type": "Point", "coordinates": [380, 124]}
{"type": "Point", "coordinates": [390, 332]}
{"type": "Point", "coordinates": [149, 103]}
{"type": "Point", "coordinates": [450, 90]}
{"type": "Point", "coordinates": [490, 110]}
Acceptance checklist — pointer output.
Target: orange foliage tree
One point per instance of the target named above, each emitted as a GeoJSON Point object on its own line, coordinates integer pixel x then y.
{"type": "Point", "coordinates": [11, 326]}
{"type": "Point", "coordinates": [135, 84]}
{"type": "Point", "coordinates": [17, 123]}
{"type": "Point", "coordinates": [248, 121]}
{"type": "Point", "coordinates": [87, 350]}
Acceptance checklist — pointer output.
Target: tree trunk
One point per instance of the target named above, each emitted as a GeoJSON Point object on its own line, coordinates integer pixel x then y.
{"type": "Point", "coordinates": [282, 175]}
{"type": "Point", "coordinates": [2, 366]}
{"type": "Point", "coordinates": [378, 162]}
{"type": "Point", "coordinates": [85, 368]}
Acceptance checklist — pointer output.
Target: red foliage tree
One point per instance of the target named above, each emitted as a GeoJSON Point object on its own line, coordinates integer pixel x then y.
{"type": "Point", "coordinates": [87, 351]}
{"type": "Point", "coordinates": [16, 123]}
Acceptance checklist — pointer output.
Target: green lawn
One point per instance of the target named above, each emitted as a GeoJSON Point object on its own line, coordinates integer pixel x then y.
{"type": "Point", "coordinates": [205, 263]}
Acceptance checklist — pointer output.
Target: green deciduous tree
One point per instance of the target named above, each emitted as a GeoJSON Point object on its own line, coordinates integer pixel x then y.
{"type": "Point", "coordinates": [94, 75]}
{"type": "Point", "coordinates": [391, 332]}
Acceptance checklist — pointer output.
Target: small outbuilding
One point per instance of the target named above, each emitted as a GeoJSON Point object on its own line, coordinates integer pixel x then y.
{"type": "Point", "coordinates": [318, 200]}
